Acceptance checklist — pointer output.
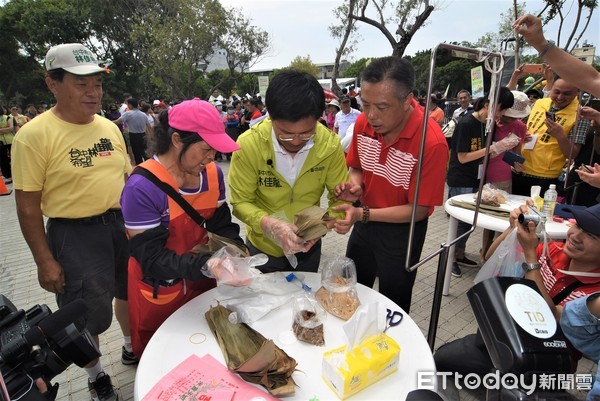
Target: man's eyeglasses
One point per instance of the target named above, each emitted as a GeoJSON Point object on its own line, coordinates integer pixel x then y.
{"type": "Point", "coordinates": [291, 137]}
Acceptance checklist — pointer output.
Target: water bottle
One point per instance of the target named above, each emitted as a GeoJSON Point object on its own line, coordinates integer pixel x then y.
{"type": "Point", "coordinates": [549, 201]}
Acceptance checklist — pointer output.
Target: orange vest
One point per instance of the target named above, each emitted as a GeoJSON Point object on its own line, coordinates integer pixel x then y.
{"type": "Point", "coordinates": [150, 306]}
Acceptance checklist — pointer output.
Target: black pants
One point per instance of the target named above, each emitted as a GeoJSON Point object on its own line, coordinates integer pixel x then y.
{"type": "Point", "coordinates": [307, 261]}
{"type": "Point", "coordinates": [5, 160]}
{"type": "Point", "coordinates": [138, 146]}
{"type": "Point", "coordinates": [379, 249]}
{"type": "Point", "coordinates": [465, 355]}
{"type": "Point", "coordinates": [94, 258]}
{"type": "Point", "coordinates": [521, 184]}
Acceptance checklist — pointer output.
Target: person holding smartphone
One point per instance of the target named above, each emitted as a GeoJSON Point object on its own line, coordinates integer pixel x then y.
{"type": "Point", "coordinates": [549, 138]}
{"type": "Point", "coordinates": [583, 182]}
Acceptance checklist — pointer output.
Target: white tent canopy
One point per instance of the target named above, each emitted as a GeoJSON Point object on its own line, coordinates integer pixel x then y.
{"type": "Point", "coordinates": [342, 82]}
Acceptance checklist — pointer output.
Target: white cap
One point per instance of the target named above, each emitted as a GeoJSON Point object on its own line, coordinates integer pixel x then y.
{"type": "Point", "coordinates": [74, 58]}
{"type": "Point", "coordinates": [155, 102]}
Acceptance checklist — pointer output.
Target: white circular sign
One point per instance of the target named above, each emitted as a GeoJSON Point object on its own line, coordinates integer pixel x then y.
{"type": "Point", "coordinates": [529, 309]}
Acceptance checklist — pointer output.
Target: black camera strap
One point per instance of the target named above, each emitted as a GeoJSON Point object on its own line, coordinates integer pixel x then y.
{"type": "Point", "coordinates": [561, 296]}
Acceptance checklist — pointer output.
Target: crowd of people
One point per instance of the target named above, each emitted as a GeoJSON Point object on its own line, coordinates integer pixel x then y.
{"type": "Point", "coordinates": [130, 190]}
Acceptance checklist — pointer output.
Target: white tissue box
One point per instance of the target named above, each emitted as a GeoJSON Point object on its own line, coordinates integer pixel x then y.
{"type": "Point", "coordinates": [349, 372]}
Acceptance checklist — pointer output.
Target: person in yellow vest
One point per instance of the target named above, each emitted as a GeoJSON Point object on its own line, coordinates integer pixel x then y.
{"type": "Point", "coordinates": [550, 127]}
{"type": "Point", "coordinates": [163, 273]}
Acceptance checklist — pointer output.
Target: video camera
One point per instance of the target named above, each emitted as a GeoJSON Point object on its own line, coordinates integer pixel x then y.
{"type": "Point", "coordinates": [39, 344]}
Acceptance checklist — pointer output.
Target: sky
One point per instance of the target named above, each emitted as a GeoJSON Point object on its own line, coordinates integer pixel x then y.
{"type": "Point", "coordinates": [300, 28]}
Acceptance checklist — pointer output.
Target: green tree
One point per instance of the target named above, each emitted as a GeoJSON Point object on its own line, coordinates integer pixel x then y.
{"type": "Point", "coordinates": [247, 83]}
{"type": "Point", "coordinates": [583, 14]}
{"type": "Point", "coordinates": [305, 64]}
{"type": "Point", "coordinates": [448, 71]}
{"type": "Point", "coordinates": [404, 18]}
{"type": "Point", "coordinates": [26, 26]}
{"type": "Point", "coordinates": [243, 45]}
{"type": "Point", "coordinates": [176, 46]}
{"type": "Point", "coordinates": [500, 38]}
{"type": "Point", "coordinates": [355, 69]}
{"type": "Point", "coordinates": [343, 31]}
{"type": "Point", "coordinates": [156, 48]}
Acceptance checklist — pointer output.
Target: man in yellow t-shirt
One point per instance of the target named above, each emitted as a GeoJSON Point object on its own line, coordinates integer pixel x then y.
{"type": "Point", "coordinates": [551, 125]}
{"type": "Point", "coordinates": [70, 165]}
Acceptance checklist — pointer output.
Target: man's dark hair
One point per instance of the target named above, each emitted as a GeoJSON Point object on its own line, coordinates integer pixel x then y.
{"type": "Point", "coordinates": [56, 75]}
{"type": "Point", "coordinates": [394, 68]}
{"type": "Point", "coordinates": [505, 100]}
{"type": "Point", "coordinates": [293, 95]}
{"type": "Point", "coordinates": [463, 91]}
{"type": "Point", "coordinates": [126, 96]}
{"type": "Point", "coordinates": [133, 103]}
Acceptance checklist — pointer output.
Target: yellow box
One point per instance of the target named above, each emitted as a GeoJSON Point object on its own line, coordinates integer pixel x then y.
{"type": "Point", "coordinates": [349, 372]}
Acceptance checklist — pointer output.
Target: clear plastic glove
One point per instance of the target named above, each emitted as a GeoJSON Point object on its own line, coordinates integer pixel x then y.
{"type": "Point", "coordinates": [227, 266]}
{"type": "Point", "coordinates": [505, 144]}
{"type": "Point", "coordinates": [283, 234]}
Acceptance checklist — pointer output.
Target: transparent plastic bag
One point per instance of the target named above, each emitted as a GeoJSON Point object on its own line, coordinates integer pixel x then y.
{"type": "Point", "coordinates": [308, 319]}
{"type": "Point", "coordinates": [492, 196]}
{"type": "Point", "coordinates": [506, 261]}
{"type": "Point", "coordinates": [228, 266]}
{"type": "Point", "coordinates": [337, 294]}
{"type": "Point", "coordinates": [265, 294]}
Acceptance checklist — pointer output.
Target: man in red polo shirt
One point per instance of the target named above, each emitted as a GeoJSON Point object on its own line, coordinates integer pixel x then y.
{"type": "Point", "coordinates": [383, 161]}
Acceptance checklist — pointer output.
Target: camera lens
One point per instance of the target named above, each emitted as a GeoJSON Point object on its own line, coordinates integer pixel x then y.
{"type": "Point", "coordinates": [526, 218]}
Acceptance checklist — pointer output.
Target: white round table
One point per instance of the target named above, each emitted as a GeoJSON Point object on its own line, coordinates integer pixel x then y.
{"type": "Point", "coordinates": [555, 230]}
{"type": "Point", "coordinates": [170, 345]}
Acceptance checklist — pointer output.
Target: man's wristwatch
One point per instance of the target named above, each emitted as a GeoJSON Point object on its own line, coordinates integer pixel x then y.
{"type": "Point", "coordinates": [549, 45]}
{"type": "Point", "coordinates": [527, 267]}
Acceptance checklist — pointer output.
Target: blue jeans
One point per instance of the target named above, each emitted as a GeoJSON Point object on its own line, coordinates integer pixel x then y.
{"type": "Point", "coordinates": [583, 331]}
{"type": "Point", "coordinates": [462, 226]}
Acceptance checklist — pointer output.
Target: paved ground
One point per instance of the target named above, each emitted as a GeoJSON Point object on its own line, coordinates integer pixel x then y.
{"type": "Point", "coordinates": [18, 281]}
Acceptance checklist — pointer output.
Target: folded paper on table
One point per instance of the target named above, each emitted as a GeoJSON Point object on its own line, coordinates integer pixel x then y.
{"type": "Point", "coordinates": [489, 210]}
{"type": "Point", "coordinates": [203, 379]}
{"type": "Point", "coordinates": [346, 373]}
{"type": "Point", "coordinates": [467, 201]}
